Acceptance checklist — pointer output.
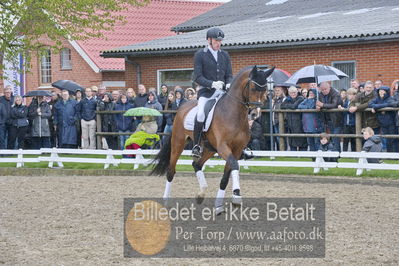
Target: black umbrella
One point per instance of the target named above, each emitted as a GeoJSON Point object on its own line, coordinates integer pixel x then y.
{"type": "Point", "coordinates": [279, 76]}
{"type": "Point", "coordinates": [38, 93]}
{"type": "Point", "coordinates": [284, 84]}
{"type": "Point", "coordinates": [316, 74]}
{"type": "Point", "coordinates": [68, 85]}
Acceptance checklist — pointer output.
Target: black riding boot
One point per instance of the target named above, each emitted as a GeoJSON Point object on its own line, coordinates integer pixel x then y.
{"type": "Point", "coordinates": [198, 126]}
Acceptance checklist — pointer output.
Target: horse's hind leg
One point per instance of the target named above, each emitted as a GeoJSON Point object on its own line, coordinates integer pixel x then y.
{"type": "Point", "coordinates": [197, 165]}
{"type": "Point", "coordinates": [178, 141]}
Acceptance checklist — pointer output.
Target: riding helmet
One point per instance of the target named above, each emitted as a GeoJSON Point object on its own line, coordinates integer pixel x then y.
{"type": "Point", "coordinates": [215, 33]}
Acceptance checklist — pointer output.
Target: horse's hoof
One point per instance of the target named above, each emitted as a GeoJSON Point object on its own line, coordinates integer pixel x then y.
{"type": "Point", "coordinates": [200, 197]}
{"type": "Point", "coordinates": [236, 199]}
{"type": "Point", "coordinates": [219, 210]}
{"type": "Point", "coordinates": [165, 202]}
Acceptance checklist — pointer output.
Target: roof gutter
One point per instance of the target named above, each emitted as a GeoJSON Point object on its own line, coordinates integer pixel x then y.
{"type": "Point", "coordinates": [138, 69]}
{"type": "Point", "coordinates": [234, 47]}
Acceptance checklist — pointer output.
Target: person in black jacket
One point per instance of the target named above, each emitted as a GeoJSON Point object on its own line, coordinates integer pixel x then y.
{"type": "Point", "coordinates": [108, 122]}
{"type": "Point", "coordinates": [168, 117]}
{"type": "Point", "coordinates": [179, 99]}
{"type": "Point", "coordinates": [386, 119]}
{"type": "Point", "coordinates": [53, 132]}
{"type": "Point", "coordinates": [294, 120]}
{"type": "Point", "coordinates": [372, 144]}
{"type": "Point", "coordinates": [8, 101]}
{"type": "Point", "coordinates": [326, 145]}
{"type": "Point", "coordinates": [140, 101]}
{"type": "Point", "coordinates": [212, 71]}
{"type": "Point", "coordinates": [329, 98]}
{"type": "Point", "coordinates": [163, 95]}
{"type": "Point", "coordinates": [142, 96]}
{"type": "Point", "coordinates": [3, 118]}
{"type": "Point", "coordinates": [86, 110]}
{"type": "Point", "coordinates": [349, 120]}
{"type": "Point", "coordinates": [39, 114]}
{"type": "Point", "coordinates": [257, 140]}
{"type": "Point", "coordinates": [19, 123]}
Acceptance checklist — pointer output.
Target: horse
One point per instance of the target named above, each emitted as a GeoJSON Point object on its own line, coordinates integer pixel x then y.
{"type": "Point", "coordinates": [228, 135]}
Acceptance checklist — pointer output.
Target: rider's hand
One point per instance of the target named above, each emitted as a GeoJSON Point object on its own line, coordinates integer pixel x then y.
{"type": "Point", "coordinates": [218, 84]}
{"type": "Point", "coordinates": [228, 86]}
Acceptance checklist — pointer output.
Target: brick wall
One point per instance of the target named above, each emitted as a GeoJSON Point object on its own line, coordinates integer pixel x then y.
{"type": "Point", "coordinates": [113, 76]}
{"type": "Point", "coordinates": [81, 72]}
{"type": "Point", "coordinates": [373, 61]}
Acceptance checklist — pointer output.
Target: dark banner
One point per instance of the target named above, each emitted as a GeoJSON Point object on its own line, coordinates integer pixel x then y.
{"type": "Point", "coordinates": [260, 227]}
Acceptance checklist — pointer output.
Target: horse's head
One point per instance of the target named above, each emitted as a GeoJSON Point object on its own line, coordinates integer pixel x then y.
{"type": "Point", "coordinates": [257, 87]}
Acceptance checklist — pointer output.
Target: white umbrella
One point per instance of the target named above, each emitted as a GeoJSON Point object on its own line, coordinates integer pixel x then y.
{"type": "Point", "coordinates": [316, 74]}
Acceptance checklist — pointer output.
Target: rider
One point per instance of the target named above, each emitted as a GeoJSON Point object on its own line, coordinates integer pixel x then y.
{"type": "Point", "coordinates": [212, 71]}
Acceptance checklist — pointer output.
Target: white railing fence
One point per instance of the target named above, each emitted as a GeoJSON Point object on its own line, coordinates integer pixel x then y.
{"type": "Point", "coordinates": [57, 156]}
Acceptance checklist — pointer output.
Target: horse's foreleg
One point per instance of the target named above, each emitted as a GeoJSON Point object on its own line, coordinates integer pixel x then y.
{"type": "Point", "coordinates": [219, 201]}
{"type": "Point", "coordinates": [231, 160]}
{"type": "Point", "coordinates": [235, 168]}
{"type": "Point", "coordinates": [200, 175]}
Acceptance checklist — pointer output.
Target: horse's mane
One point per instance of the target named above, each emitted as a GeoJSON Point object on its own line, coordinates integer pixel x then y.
{"type": "Point", "coordinates": [240, 73]}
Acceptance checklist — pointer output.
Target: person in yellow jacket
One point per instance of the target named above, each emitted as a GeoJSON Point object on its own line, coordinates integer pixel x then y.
{"type": "Point", "coordinates": [145, 134]}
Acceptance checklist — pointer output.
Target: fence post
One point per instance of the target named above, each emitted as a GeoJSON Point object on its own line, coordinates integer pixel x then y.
{"type": "Point", "coordinates": [281, 131]}
{"type": "Point", "coordinates": [20, 160]}
{"type": "Point", "coordinates": [358, 116]}
{"type": "Point", "coordinates": [99, 142]}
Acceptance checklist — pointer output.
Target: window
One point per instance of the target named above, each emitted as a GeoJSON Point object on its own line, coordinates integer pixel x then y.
{"type": "Point", "coordinates": [45, 67]}
{"type": "Point", "coordinates": [349, 68]}
{"type": "Point", "coordinates": [66, 59]}
{"type": "Point", "coordinates": [174, 77]}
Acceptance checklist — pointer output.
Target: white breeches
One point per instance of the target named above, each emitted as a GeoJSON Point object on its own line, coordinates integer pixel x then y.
{"type": "Point", "coordinates": [201, 105]}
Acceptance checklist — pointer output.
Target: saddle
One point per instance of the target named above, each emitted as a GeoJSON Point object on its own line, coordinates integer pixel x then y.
{"type": "Point", "coordinates": [209, 110]}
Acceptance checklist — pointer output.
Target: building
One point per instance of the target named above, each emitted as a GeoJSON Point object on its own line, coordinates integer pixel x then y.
{"type": "Point", "coordinates": [359, 37]}
{"type": "Point", "coordinates": [81, 62]}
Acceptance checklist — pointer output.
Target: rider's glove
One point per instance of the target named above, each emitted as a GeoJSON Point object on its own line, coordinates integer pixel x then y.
{"type": "Point", "coordinates": [227, 86]}
{"type": "Point", "coordinates": [218, 85]}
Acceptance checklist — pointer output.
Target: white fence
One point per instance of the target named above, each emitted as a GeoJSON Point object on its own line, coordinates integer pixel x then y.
{"type": "Point", "coordinates": [54, 156]}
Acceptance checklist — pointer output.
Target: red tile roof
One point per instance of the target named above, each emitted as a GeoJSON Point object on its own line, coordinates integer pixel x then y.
{"type": "Point", "coordinates": [152, 21]}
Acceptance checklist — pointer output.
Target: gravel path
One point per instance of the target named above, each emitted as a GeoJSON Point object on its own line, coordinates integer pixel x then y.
{"type": "Point", "coordinates": [78, 220]}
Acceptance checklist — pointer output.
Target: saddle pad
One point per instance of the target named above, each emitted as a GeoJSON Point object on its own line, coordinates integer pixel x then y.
{"type": "Point", "coordinates": [190, 117]}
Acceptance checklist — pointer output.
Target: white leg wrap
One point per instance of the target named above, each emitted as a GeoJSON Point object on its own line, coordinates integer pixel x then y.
{"type": "Point", "coordinates": [219, 198]}
{"type": "Point", "coordinates": [168, 187]}
{"type": "Point", "coordinates": [236, 179]}
{"type": "Point", "coordinates": [201, 180]}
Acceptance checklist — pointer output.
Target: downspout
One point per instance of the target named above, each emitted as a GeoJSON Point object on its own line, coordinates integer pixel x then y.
{"type": "Point", "coordinates": [138, 69]}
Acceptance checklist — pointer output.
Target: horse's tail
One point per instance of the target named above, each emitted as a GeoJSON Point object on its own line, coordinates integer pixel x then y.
{"type": "Point", "coordinates": [163, 158]}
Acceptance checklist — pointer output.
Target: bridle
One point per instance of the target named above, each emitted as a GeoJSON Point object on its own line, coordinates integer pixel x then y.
{"type": "Point", "coordinates": [249, 105]}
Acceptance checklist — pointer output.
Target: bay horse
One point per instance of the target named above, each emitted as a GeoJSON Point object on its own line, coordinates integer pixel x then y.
{"type": "Point", "coordinates": [228, 134]}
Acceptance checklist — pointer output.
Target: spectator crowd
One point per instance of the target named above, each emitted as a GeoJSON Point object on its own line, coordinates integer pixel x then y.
{"type": "Point", "coordinates": [320, 97]}
{"type": "Point", "coordinates": [69, 120]}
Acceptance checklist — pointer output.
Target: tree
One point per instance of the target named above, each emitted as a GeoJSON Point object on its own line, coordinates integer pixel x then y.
{"type": "Point", "coordinates": [24, 22]}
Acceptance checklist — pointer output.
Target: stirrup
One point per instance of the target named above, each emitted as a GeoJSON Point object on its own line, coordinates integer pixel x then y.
{"type": "Point", "coordinates": [197, 151]}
